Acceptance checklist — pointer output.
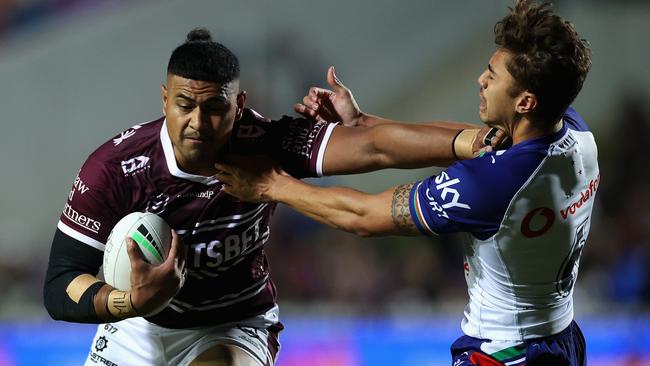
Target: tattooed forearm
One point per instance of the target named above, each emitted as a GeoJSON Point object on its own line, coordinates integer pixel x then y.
{"type": "Point", "coordinates": [400, 210]}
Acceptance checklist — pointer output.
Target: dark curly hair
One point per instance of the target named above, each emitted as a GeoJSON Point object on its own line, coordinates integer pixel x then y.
{"type": "Point", "coordinates": [201, 58]}
{"type": "Point", "coordinates": [549, 58]}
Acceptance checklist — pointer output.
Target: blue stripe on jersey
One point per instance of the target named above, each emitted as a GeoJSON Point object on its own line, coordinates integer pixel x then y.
{"type": "Point", "coordinates": [473, 195]}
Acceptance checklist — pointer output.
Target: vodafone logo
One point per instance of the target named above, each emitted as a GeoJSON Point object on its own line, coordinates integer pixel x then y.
{"type": "Point", "coordinates": [537, 222]}
{"type": "Point", "coordinates": [585, 196]}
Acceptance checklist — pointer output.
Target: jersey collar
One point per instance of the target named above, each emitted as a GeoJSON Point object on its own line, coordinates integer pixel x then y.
{"type": "Point", "coordinates": [171, 160]}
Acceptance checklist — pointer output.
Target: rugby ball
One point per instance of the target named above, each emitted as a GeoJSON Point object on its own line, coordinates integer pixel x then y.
{"type": "Point", "coordinates": [152, 235]}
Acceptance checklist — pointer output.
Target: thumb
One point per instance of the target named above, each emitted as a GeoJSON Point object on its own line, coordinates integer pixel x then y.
{"type": "Point", "coordinates": [334, 81]}
{"type": "Point", "coordinates": [133, 250]}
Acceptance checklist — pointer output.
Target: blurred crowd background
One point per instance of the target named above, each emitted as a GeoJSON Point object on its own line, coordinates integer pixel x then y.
{"type": "Point", "coordinates": [73, 73]}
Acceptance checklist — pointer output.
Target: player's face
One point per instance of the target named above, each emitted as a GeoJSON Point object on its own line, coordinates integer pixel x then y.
{"type": "Point", "coordinates": [200, 116]}
{"type": "Point", "coordinates": [497, 104]}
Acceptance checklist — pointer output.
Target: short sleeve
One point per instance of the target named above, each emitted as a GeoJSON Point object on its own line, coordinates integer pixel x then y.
{"type": "Point", "coordinates": [298, 144]}
{"type": "Point", "coordinates": [90, 211]}
{"type": "Point", "coordinates": [471, 196]}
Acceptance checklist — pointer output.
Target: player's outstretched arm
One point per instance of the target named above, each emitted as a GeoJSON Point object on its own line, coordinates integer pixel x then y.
{"type": "Point", "coordinates": [342, 208]}
{"type": "Point", "coordinates": [387, 143]}
{"type": "Point", "coordinates": [338, 105]}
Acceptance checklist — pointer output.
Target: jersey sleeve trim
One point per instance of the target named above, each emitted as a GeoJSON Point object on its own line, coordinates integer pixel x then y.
{"type": "Point", "coordinates": [416, 211]}
{"type": "Point", "coordinates": [79, 236]}
{"type": "Point", "coordinates": [321, 149]}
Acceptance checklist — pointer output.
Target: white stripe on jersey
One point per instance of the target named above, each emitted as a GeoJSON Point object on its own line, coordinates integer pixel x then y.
{"type": "Point", "coordinates": [321, 150]}
{"type": "Point", "coordinates": [233, 217]}
{"type": "Point", "coordinates": [516, 362]}
{"type": "Point", "coordinates": [79, 236]}
{"type": "Point", "coordinates": [419, 212]}
{"type": "Point", "coordinates": [221, 226]}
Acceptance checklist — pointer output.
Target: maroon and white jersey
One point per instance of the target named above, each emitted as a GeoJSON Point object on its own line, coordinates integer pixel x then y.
{"type": "Point", "coordinates": [228, 274]}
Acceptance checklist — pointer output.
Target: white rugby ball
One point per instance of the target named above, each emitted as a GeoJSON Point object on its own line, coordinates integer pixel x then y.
{"type": "Point", "coordinates": [152, 235]}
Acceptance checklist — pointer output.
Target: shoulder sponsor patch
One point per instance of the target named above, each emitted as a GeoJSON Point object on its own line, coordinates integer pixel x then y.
{"type": "Point", "coordinates": [135, 165]}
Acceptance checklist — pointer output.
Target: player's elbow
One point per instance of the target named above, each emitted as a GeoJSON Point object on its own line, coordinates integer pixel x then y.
{"type": "Point", "coordinates": [52, 303]}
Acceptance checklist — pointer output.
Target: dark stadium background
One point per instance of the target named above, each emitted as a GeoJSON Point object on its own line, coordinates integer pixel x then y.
{"type": "Point", "coordinates": [74, 73]}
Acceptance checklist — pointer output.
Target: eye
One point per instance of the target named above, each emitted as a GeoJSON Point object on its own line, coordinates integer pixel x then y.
{"type": "Point", "coordinates": [185, 107]}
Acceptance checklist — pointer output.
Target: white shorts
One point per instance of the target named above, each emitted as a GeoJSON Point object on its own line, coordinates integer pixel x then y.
{"type": "Point", "coordinates": [136, 341]}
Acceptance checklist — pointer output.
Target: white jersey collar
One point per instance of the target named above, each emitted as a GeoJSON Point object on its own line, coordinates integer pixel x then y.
{"type": "Point", "coordinates": [174, 170]}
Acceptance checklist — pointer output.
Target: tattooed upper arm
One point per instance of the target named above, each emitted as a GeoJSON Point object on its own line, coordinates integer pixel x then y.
{"type": "Point", "coordinates": [400, 210]}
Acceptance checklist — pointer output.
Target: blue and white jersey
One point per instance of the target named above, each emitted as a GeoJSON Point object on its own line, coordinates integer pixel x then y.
{"type": "Point", "coordinates": [526, 212]}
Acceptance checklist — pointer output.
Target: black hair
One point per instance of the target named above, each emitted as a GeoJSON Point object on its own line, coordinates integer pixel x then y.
{"type": "Point", "coordinates": [201, 58]}
{"type": "Point", "coordinates": [549, 57]}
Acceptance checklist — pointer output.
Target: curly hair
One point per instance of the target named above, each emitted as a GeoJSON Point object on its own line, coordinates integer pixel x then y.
{"type": "Point", "coordinates": [549, 58]}
{"type": "Point", "coordinates": [201, 58]}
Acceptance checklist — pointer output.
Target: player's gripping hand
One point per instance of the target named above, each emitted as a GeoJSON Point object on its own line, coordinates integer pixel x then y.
{"type": "Point", "coordinates": [489, 139]}
{"type": "Point", "coordinates": [154, 286]}
{"type": "Point", "coordinates": [335, 105]}
{"type": "Point", "coordinates": [250, 179]}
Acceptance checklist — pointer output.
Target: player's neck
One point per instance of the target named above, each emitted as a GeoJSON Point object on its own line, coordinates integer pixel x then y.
{"type": "Point", "coordinates": [203, 169]}
{"type": "Point", "coordinates": [525, 129]}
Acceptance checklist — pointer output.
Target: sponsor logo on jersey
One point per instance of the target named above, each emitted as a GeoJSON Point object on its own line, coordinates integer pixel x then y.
{"type": "Point", "coordinates": [101, 344]}
{"type": "Point", "coordinates": [135, 165]}
{"type": "Point", "coordinates": [532, 226]}
{"type": "Point", "coordinates": [449, 194]}
{"type": "Point", "coordinates": [96, 358]}
{"type": "Point", "coordinates": [585, 196]}
{"type": "Point", "coordinates": [300, 139]}
{"type": "Point", "coordinates": [77, 186]}
{"type": "Point", "coordinates": [204, 194]}
{"type": "Point", "coordinates": [250, 131]}
{"type": "Point", "coordinates": [125, 135]}
{"type": "Point", "coordinates": [81, 220]}
{"type": "Point", "coordinates": [229, 250]}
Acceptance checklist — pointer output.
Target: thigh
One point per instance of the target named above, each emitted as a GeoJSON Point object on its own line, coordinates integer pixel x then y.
{"type": "Point", "coordinates": [123, 343]}
{"type": "Point", "coordinates": [225, 355]}
{"type": "Point", "coordinates": [234, 346]}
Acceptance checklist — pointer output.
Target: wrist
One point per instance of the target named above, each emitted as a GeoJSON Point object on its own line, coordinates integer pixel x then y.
{"type": "Point", "coordinates": [463, 143]}
{"type": "Point", "coordinates": [119, 304]}
{"type": "Point", "coordinates": [280, 186]}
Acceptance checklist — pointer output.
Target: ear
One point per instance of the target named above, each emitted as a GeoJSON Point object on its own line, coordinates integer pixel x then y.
{"type": "Point", "coordinates": [526, 102]}
{"type": "Point", "coordinates": [163, 94]}
{"type": "Point", "coordinates": [241, 101]}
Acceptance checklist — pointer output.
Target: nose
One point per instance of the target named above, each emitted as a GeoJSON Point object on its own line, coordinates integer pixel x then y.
{"type": "Point", "coordinates": [482, 79]}
{"type": "Point", "coordinates": [199, 119]}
